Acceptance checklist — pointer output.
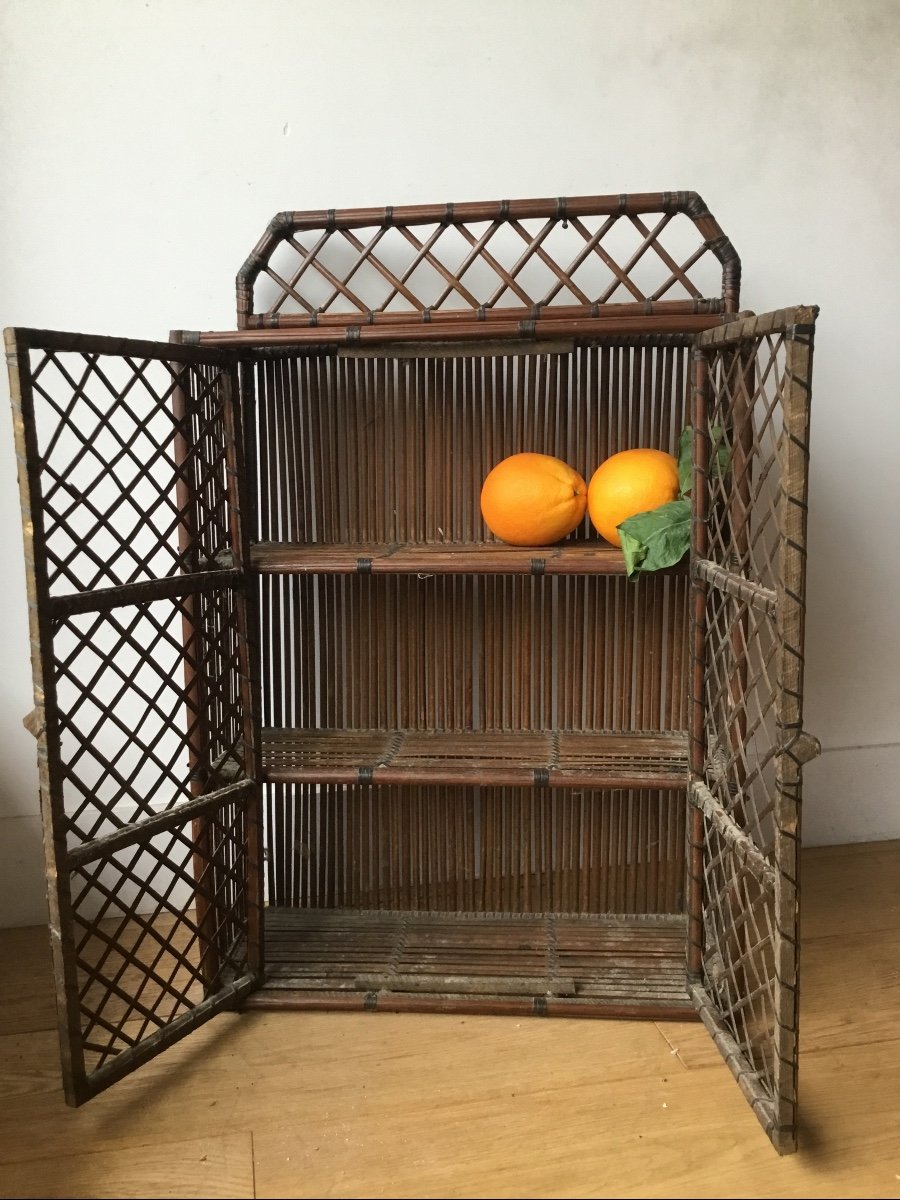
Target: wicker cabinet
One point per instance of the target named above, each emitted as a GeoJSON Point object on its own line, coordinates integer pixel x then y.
{"type": "Point", "coordinates": [310, 737]}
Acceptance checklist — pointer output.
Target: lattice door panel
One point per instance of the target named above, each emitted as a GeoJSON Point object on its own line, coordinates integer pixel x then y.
{"type": "Point", "coordinates": [751, 418]}
{"type": "Point", "coordinates": [159, 937]}
{"type": "Point", "coordinates": [117, 508]}
{"type": "Point", "coordinates": [130, 480]}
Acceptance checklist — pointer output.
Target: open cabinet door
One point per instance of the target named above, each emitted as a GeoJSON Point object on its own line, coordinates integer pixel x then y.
{"type": "Point", "coordinates": [130, 479]}
{"type": "Point", "coordinates": [751, 420]}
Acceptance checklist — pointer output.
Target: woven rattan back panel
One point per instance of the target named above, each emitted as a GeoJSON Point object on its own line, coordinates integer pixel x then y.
{"type": "Point", "coordinates": [456, 849]}
{"type": "Point", "coordinates": [128, 469]}
{"type": "Point", "coordinates": [754, 391]}
{"type": "Point", "coordinates": [385, 450]}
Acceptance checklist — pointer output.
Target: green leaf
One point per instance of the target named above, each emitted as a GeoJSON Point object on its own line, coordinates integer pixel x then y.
{"type": "Point", "coordinates": [632, 547]}
{"type": "Point", "coordinates": [723, 454]}
{"type": "Point", "coordinates": [686, 456]}
{"type": "Point", "coordinates": [652, 541]}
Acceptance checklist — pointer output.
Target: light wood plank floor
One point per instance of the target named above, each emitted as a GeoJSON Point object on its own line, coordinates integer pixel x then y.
{"type": "Point", "coordinates": [322, 1104]}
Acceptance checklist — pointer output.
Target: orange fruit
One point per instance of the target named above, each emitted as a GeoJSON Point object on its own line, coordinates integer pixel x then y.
{"type": "Point", "coordinates": [533, 499]}
{"type": "Point", "coordinates": [632, 481]}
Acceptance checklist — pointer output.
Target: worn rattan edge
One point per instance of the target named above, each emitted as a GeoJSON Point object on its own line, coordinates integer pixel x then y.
{"type": "Point", "coordinates": [782, 320]}
{"type": "Point", "coordinates": [795, 745]}
{"type": "Point", "coordinates": [748, 1079]}
{"type": "Point", "coordinates": [754, 594]}
{"type": "Point", "coordinates": [138, 832]}
{"type": "Point", "coordinates": [55, 340]}
{"type": "Point", "coordinates": [747, 853]}
{"type": "Point", "coordinates": [59, 898]}
{"type": "Point", "coordinates": [294, 999]}
{"type": "Point", "coordinates": [227, 998]}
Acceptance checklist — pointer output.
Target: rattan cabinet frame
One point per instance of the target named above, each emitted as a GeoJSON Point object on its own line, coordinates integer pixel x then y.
{"type": "Point", "coordinates": [309, 736]}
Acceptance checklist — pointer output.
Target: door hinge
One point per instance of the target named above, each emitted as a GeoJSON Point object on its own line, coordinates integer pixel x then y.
{"type": "Point", "coordinates": [804, 747]}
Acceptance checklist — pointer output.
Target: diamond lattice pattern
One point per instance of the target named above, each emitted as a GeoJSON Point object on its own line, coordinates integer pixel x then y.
{"type": "Point", "coordinates": [742, 688]}
{"type": "Point", "coordinates": [133, 487]}
{"type": "Point", "coordinates": [741, 714]}
{"type": "Point", "coordinates": [739, 957]}
{"type": "Point", "coordinates": [134, 739]}
{"type": "Point", "coordinates": [156, 928]}
{"type": "Point", "coordinates": [746, 426]}
{"type": "Point", "coordinates": [745, 505]}
{"type": "Point", "coordinates": [516, 264]}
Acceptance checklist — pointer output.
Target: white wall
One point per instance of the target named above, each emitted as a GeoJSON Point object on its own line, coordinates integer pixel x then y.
{"type": "Point", "coordinates": [146, 145]}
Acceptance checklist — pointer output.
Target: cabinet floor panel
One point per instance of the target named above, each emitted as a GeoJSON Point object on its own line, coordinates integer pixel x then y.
{"type": "Point", "coordinates": [546, 965]}
{"type": "Point", "coordinates": [480, 757]}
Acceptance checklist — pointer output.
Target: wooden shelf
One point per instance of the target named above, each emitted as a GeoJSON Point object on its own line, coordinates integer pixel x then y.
{"type": "Point", "coordinates": [542, 964]}
{"type": "Point", "coordinates": [484, 757]}
{"type": "Point", "coordinates": [442, 558]}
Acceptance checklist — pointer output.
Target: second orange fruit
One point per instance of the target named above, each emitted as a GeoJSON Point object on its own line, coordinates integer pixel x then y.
{"type": "Point", "coordinates": [630, 482]}
{"type": "Point", "coordinates": [533, 499]}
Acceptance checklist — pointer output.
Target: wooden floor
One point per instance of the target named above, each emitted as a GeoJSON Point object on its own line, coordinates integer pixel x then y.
{"type": "Point", "coordinates": [345, 1104]}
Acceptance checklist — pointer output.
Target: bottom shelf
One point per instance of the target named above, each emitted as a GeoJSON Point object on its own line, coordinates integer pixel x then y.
{"type": "Point", "coordinates": [546, 965]}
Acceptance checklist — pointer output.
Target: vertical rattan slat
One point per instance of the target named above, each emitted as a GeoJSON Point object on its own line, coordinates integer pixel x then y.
{"type": "Point", "coordinates": [129, 475]}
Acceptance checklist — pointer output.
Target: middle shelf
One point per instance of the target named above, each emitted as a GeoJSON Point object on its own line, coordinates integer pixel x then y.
{"type": "Point", "coordinates": [437, 558]}
{"type": "Point", "coordinates": [517, 758]}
